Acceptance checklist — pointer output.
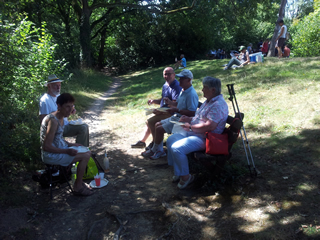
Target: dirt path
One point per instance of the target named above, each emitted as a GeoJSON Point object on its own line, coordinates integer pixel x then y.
{"type": "Point", "coordinates": [133, 203]}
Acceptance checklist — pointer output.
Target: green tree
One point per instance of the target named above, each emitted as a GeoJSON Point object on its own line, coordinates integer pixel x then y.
{"type": "Point", "coordinates": [27, 58]}
{"type": "Point", "coordinates": [306, 35]}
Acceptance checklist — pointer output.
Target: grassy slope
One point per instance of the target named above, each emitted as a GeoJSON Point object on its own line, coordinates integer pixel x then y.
{"type": "Point", "coordinates": [280, 99]}
{"type": "Point", "coordinates": [86, 86]}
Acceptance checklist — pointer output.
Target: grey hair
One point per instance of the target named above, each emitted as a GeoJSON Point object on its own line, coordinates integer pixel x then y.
{"type": "Point", "coordinates": [212, 82]}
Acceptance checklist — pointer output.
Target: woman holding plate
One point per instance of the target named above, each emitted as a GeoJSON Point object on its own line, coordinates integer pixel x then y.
{"type": "Point", "coordinates": [56, 151]}
{"type": "Point", "coordinates": [210, 117]}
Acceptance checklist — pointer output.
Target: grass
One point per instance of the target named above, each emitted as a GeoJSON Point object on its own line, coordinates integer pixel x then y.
{"type": "Point", "coordinates": [86, 87]}
{"type": "Point", "coordinates": [280, 99]}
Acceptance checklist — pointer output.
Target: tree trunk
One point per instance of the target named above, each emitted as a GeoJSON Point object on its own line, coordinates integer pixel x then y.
{"type": "Point", "coordinates": [85, 36]}
{"type": "Point", "coordinates": [276, 29]}
{"type": "Point", "coordinates": [101, 50]}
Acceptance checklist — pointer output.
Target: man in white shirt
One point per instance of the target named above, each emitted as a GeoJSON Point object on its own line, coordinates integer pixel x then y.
{"type": "Point", "coordinates": [48, 105]}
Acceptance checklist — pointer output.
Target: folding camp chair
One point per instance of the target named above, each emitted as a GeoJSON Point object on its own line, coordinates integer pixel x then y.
{"type": "Point", "coordinates": [57, 170]}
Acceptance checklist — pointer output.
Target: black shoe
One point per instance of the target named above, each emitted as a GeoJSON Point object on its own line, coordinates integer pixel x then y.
{"type": "Point", "coordinates": [149, 146]}
{"type": "Point", "coordinates": [139, 144]}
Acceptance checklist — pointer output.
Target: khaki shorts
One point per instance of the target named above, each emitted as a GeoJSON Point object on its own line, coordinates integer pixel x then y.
{"type": "Point", "coordinates": [167, 125]}
{"type": "Point", "coordinates": [157, 118]}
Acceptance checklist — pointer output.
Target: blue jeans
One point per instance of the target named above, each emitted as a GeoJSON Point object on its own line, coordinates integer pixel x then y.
{"type": "Point", "coordinates": [233, 61]}
{"type": "Point", "coordinates": [179, 146]}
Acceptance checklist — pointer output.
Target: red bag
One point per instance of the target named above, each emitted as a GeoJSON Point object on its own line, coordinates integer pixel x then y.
{"type": "Point", "coordinates": [217, 144]}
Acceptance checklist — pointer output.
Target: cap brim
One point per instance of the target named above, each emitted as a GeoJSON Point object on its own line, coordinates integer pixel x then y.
{"type": "Point", "coordinates": [180, 75]}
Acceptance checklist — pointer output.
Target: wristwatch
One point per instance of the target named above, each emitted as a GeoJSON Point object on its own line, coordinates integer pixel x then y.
{"type": "Point", "coordinates": [190, 128]}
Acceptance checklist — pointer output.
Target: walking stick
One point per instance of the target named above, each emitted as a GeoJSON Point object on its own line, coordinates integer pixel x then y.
{"type": "Point", "coordinates": [244, 141]}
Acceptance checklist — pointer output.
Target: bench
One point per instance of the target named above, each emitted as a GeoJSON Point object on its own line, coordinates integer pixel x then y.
{"type": "Point", "coordinates": [214, 163]}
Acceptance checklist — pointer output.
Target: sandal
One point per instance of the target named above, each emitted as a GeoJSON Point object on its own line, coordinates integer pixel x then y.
{"type": "Point", "coordinates": [86, 185]}
{"type": "Point", "coordinates": [83, 192]}
{"type": "Point", "coordinates": [175, 178]}
{"type": "Point", "coordinates": [183, 184]}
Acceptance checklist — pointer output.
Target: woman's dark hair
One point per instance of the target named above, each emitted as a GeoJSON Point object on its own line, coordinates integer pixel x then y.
{"type": "Point", "coordinates": [65, 98]}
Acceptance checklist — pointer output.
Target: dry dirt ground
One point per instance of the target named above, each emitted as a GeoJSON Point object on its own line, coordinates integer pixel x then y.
{"type": "Point", "coordinates": [141, 202]}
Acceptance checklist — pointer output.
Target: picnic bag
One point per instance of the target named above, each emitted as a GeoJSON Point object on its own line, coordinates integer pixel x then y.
{"type": "Point", "coordinates": [91, 169]}
{"type": "Point", "coordinates": [217, 144]}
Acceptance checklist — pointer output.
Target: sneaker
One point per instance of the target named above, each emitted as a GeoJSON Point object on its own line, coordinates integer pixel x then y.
{"type": "Point", "coordinates": [139, 144]}
{"type": "Point", "coordinates": [147, 153]}
{"type": "Point", "coordinates": [158, 154]}
{"type": "Point", "coordinates": [184, 184]}
{"type": "Point", "coordinates": [225, 68]}
{"type": "Point", "coordinates": [175, 178]}
{"type": "Point", "coordinates": [149, 146]}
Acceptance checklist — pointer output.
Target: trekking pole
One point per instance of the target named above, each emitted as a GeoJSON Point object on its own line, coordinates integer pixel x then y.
{"type": "Point", "coordinates": [233, 95]}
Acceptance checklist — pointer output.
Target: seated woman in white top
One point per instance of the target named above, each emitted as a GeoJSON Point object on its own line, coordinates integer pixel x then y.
{"type": "Point", "coordinates": [55, 150]}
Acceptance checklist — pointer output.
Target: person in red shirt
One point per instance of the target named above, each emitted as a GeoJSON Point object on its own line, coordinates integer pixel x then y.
{"type": "Point", "coordinates": [286, 51]}
{"type": "Point", "coordinates": [265, 46]}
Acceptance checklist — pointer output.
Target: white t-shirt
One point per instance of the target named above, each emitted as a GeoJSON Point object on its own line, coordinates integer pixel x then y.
{"type": "Point", "coordinates": [284, 34]}
{"type": "Point", "coordinates": [48, 104]}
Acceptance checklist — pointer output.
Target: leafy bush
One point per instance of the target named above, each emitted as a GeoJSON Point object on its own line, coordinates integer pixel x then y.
{"type": "Point", "coordinates": [306, 35]}
{"type": "Point", "coordinates": [27, 58]}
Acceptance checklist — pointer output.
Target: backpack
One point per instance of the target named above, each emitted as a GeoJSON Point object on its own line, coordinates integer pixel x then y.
{"type": "Point", "coordinates": [93, 168]}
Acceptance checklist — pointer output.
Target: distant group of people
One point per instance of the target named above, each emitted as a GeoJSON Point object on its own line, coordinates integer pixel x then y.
{"type": "Point", "coordinates": [281, 48]}
{"type": "Point", "coordinates": [219, 54]}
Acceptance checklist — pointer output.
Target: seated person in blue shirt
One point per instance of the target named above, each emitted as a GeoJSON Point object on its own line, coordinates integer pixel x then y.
{"type": "Point", "coordinates": [181, 63]}
{"type": "Point", "coordinates": [171, 90]}
{"type": "Point", "coordinates": [186, 104]}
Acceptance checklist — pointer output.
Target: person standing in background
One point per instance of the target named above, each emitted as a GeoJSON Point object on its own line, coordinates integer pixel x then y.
{"type": "Point", "coordinates": [281, 38]}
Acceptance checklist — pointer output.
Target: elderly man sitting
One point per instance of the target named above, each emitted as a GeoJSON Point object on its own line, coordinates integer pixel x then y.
{"type": "Point", "coordinates": [186, 104]}
{"type": "Point", "coordinates": [210, 117]}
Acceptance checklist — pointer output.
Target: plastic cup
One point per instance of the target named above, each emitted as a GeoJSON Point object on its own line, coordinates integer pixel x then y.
{"type": "Point", "coordinates": [101, 175]}
{"type": "Point", "coordinates": [97, 180]}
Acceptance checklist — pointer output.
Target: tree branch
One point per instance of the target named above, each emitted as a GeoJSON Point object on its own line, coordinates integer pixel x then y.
{"type": "Point", "coordinates": [157, 8]}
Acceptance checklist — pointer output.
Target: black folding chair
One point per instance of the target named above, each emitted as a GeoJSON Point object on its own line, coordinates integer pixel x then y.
{"type": "Point", "coordinates": [52, 169]}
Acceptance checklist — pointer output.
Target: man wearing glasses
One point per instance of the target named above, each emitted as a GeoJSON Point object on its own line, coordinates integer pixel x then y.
{"type": "Point", "coordinates": [186, 104]}
{"type": "Point", "coordinates": [48, 104]}
{"type": "Point", "coordinates": [170, 90]}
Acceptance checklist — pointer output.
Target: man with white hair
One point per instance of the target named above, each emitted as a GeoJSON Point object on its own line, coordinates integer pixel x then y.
{"type": "Point", "coordinates": [186, 104]}
{"type": "Point", "coordinates": [48, 105]}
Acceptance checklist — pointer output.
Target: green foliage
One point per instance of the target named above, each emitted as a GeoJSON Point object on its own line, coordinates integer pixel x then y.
{"type": "Point", "coordinates": [306, 35]}
{"type": "Point", "coordinates": [27, 58]}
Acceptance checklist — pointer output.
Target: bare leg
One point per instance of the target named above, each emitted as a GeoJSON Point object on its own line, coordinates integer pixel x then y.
{"type": "Point", "coordinates": [83, 159]}
{"type": "Point", "coordinates": [279, 52]}
{"type": "Point", "coordinates": [159, 133]}
{"type": "Point", "coordinates": [146, 134]}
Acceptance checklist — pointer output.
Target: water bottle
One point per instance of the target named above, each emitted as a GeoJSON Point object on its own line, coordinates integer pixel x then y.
{"type": "Point", "coordinates": [74, 172]}
{"type": "Point", "coordinates": [106, 163]}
